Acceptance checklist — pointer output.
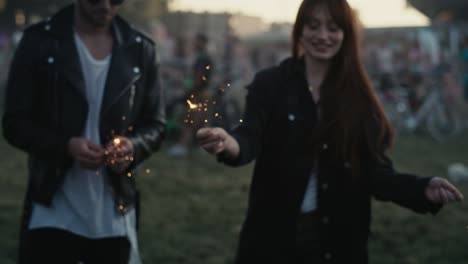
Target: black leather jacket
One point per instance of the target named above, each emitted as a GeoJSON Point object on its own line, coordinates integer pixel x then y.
{"type": "Point", "coordinates": [46, 103]}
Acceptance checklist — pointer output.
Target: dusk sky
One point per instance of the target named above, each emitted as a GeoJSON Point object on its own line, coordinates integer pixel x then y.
{"type": "Point", "coordinates": [373, 13]}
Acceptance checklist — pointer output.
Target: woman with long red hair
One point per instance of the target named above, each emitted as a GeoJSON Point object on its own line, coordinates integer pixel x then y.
{"type": "Point", "coordinates": [319, 136]}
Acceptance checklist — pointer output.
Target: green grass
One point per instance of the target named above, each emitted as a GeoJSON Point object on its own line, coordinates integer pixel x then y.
{"type": "Point", "coordinates": [192, 209]}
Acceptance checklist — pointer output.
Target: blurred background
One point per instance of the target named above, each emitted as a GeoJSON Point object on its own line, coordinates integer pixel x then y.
{"type": "Point", "coordinates": [416, 53]}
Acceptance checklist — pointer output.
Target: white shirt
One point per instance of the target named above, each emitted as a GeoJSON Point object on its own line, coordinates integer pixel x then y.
{"type": "Point", "coordinates": [84, 204]}
{"type": "Point", "coordinates": [309, 203]}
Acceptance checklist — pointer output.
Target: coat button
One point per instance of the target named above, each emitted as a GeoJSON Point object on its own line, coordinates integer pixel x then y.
{"type": "Point", "coordinates": [325, 146]}
{"type": "Point", "coordinates": [291, 117]}
{"type": "Point", "coordinates": [121, 207]}
{"type": "Point", "coordinates": [50, 60]}
{"type": "Point", "coordinates": [136, 70]}
{"type": "Point", "coordinates": [325, 186]}
{"type": "Point", "coordinates": [325, 220]}
{"type": "Point", "coordinates": [328, 256]}
{"type": "Point", "coordinates": [138, 39]}
{"type": "Point", "coordinates": [47, 27]}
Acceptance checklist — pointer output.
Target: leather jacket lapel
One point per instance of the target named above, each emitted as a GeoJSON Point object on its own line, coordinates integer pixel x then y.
{"type": "Point", "coordinates": [124, 71]}
{"type": "Point", "coordinates": [71, 67]}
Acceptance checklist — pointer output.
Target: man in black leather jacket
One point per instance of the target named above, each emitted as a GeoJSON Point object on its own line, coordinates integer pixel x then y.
{"type": "Point", "coordinates": [83, 100]}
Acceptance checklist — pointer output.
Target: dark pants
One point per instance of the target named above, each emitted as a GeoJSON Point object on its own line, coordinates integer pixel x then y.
{"type": "Point", "coordinates": [55, 246]}
{"type": "Point", "coordinates": [307, 243]}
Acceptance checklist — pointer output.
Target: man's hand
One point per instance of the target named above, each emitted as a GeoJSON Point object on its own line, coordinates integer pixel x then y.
{"type": "Point", "coordinates": [440, 191]}
{"type": "Point", "coordinates": [89, 155]}
{"type": "Point", "coordinates": [119, 154]}
{"type": "Point", "coordinates": [217, 140]}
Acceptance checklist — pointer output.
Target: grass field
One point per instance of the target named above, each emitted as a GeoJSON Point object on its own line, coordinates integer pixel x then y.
{"type": "Point", "coordinates": [192, 209]}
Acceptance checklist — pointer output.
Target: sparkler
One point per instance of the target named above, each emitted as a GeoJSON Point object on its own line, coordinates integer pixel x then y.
{"type": "Point", "coordinates": [192, 105]}
{"type": "Point", "coordinates": [197, 109]}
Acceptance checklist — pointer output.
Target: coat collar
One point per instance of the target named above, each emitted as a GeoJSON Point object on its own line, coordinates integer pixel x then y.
{"type": "Point", "coordinates": [124, 67]}
{"type": "Point", "coordinates": [61, 26]}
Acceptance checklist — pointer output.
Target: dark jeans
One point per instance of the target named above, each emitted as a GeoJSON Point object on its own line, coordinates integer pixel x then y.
{"type": "Point", "coordinates": [55, 246]}
{"type": "Point", "coordinates": [307, 243]}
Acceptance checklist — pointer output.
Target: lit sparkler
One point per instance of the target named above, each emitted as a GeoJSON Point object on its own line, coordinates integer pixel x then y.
{"type": "Point", "coordinates": [198, 108]}
{"type": "Point", "coordinates": [192, 105]}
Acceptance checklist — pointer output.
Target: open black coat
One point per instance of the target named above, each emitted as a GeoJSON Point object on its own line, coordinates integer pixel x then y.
{"type": "Point", "coordinates": [279, 119]}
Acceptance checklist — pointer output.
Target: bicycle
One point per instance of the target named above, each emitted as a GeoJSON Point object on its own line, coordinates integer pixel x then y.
{"type": "Point", "coordinates": [435, 113]}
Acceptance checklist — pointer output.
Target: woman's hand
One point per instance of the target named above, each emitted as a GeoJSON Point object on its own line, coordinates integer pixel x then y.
{"type": "Point", "coordinates": [440, 191]}
{"type": "Point", "coordinates": [217, 140]}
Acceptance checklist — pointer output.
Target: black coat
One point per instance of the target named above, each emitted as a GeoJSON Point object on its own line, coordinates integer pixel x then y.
{"type": "Point", "coordinates": [46, 104]}
{"type": "Point", "coordinates": [280, 116]}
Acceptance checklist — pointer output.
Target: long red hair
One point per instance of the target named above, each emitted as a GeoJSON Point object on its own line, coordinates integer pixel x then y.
{"type": "Point", "coordinates": [352, 115]}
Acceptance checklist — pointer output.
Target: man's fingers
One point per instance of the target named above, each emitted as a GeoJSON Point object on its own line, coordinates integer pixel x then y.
{"type": "Point", "coordinates": [94, 147]}
{"type": "Point", "coordinates": [120, 151]}
{"type": "Point", "coordinates": [126, 145]}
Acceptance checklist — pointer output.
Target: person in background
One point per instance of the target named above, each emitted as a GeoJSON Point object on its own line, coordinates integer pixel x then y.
{"type": "Point", "coordinates": [464, 57]}
{"type": "Point", "coordinates": [83, 100]}
{"type": "Point", "coordinates": [198, 94]}
{"type": "Point", "coordinates": [320, 137]}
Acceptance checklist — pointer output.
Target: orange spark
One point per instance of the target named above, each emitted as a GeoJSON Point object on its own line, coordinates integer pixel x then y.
{"type": "Point", "coordinates": [192, 105]}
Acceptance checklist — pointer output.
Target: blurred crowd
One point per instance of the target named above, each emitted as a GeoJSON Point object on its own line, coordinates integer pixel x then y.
{"type": "Point", "coordinates": [414, 59]}
{"type": "Point", "coordinates": [418, 62]}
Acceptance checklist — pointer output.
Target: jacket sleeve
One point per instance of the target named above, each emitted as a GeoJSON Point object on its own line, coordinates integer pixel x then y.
{"type": "Point", "coordinates": [250, 133]}
{"type": "Point", "coordinates": [150, 126]}
{"type": "Point", "coordinates": [401, 188]}
{"type": "Point", "coordinates": [20, 128]}
{"type": "Point", "coordinates": [404, 189]}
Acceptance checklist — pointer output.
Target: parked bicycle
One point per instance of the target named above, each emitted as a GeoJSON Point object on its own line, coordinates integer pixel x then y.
{"type": "Point", "coordinates": [436, 114]}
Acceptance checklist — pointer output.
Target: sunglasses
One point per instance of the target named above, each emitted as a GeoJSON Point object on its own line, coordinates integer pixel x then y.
{"type": "Point", "coordinates": [112, 2]}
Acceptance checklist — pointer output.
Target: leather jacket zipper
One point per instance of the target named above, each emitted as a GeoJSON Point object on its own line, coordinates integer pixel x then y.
{"type": "Point", "coordinates": [131, 86]}
{"type": "Point", "coordinates": [132, 96]}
